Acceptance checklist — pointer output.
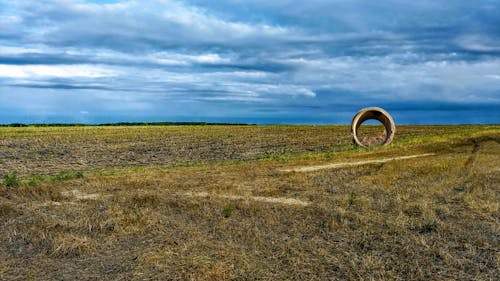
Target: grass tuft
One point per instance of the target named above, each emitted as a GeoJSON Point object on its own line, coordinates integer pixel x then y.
{"type": "Point", "coordinates": [351, 198]}
{"type": "Point", "coordinates": [11, 180]}
{"type": "Point", "coordinates": [228, 210]}
{"type": "Point", "coordinates": [70, 245]}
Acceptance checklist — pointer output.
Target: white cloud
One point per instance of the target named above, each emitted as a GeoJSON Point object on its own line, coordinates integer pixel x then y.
{"type": "Point", "coordinates": [209, 58]}
{"type": "Point", "coordinates": [479, 43]}
{"type": "Point", "coordinates": [18, 50]}
{"type": "Point", "coordinates": [60, 71]}
{"type": "Point", "coordinates": [451, 80]}
{"type": "Point", "coordinates": [135, 24]}
{"type": "Point", "coordinates": [172, 58]}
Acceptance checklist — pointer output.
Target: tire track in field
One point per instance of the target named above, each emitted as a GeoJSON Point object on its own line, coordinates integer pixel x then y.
{"type": "Point", "coordinates": [350, 164]}
{"type": "Point", "coordinates": [274, 200]}
{"type": "Point", "coordinates": [468, 173]}
{"type": "Point", "coordinates": [473, 155]}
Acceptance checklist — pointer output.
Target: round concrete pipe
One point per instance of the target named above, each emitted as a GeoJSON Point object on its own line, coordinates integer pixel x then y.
{"type": "Point", "coordinates": [375, 113]}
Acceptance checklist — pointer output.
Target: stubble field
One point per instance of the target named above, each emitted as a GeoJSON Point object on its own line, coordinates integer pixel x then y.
{"type": "Point", "coordinates": [216, 203]}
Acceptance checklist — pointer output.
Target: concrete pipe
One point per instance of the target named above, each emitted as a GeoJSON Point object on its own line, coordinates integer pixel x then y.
{"type": "Point", "coordinates": [375, 113]}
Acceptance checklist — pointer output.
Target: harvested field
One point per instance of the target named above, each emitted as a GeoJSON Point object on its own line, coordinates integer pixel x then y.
{"type": "Point", "coordinates": [215, 203]}
{"type": "Point", "coordinates": [49, 150]}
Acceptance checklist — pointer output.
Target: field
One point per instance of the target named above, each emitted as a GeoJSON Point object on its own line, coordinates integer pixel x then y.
{"type": "Point", "coordinates": [219, 203]}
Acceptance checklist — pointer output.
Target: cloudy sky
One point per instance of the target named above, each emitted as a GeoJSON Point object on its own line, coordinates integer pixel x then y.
{"type": "Point", "coordinates": [258, 61]}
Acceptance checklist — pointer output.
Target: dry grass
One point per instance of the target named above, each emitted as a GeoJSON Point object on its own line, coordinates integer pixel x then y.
{"type": "Point", "coordinates": [434, 217]}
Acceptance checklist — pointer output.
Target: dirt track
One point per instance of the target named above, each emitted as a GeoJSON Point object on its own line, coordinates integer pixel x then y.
{"type": "Point", "coordinates": [350, 164]}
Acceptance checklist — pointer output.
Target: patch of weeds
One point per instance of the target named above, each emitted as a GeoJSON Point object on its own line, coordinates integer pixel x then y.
{"type": "Point", "coordinates": [351, 198]}
{"type": "Point", "coordinates": [11, 180]}
{"type": "Point", "coordinates": [38, 180]}
{"type": "Point", "coordinates": [67, 176]}
{"type": "Point", "coordinates": [228, 210]}
{"type": "Point", "coordinates": [268, 155]}
{"type": "Point", "coordinates": [34, 181]}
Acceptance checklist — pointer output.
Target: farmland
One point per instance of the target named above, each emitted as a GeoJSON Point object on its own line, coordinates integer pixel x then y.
{"type": "Point", "coordinates": [216, 203]}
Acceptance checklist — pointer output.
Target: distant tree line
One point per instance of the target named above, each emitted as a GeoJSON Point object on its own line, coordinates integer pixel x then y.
{"type": "Point", "coordinates": [123, 124]}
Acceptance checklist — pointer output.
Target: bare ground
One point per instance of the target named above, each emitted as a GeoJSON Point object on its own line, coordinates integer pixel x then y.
{"type": "Point", "coordinates": [350, 164]}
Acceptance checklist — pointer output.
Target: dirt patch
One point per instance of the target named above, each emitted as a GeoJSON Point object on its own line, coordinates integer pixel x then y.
{"type": "Point", "coordinates": [78, 195]}
{"type": "Point", "coordinates": [273, 200]}
{"type": "Point", "coordinates": [350, 164]}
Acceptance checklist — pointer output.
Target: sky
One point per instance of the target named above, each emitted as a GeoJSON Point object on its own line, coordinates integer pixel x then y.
{"type": "Point", "coordinates": [254, 61]}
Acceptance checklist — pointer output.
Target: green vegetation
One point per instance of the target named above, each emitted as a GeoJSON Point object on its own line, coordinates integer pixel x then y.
{"type": "Point", "coordinates": [228, 210]}
{"type": "Point", "coordinates": [351, 198]}
{"type": "Point", "coordinates": [212, 203]}
{"type": "Point", "coordinates": [67, 176]}
{"type": "Point", "coordinates": [11, 180]}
